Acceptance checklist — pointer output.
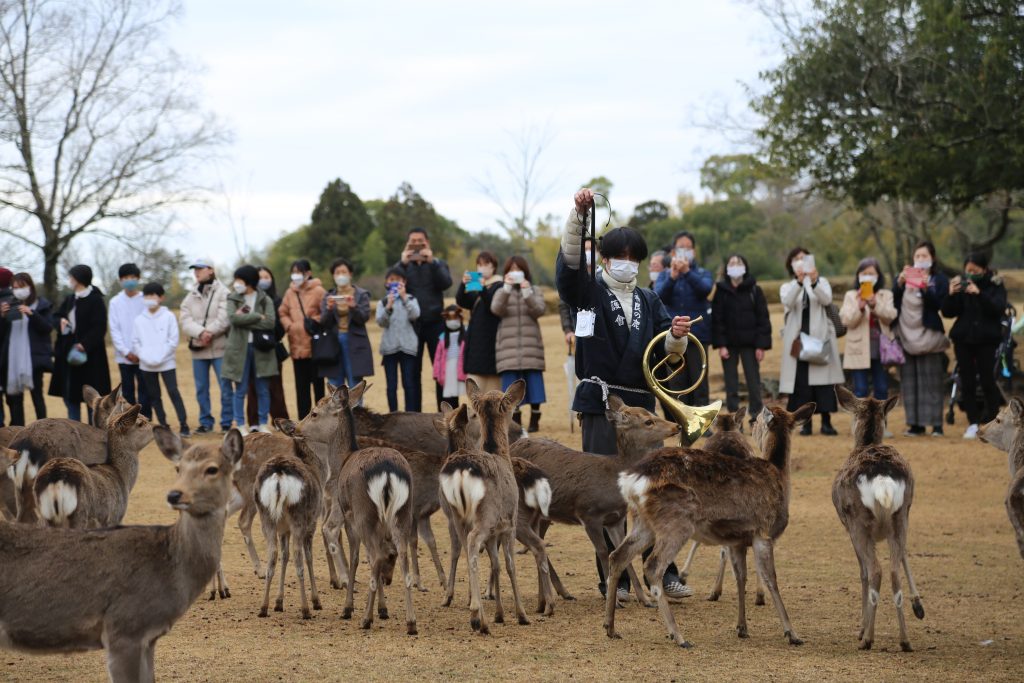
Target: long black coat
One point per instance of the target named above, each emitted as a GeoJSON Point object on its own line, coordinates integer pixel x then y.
{"type": "Point", "coordinates": [482, 330]}
{"type": "Point", "coordinates": [740, 316]}
{"type": "Point", "coordinates": [90, 332]}
{"type": "Point", "coordinates": [978, 316]}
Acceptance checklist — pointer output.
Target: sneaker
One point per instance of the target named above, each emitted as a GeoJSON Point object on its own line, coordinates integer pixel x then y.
{"type": "Point", "coordinates": [263, 428]}
{"type": "Point", "coordinates": [185, 433]}
{"type": "Point", "coordinates": [914, 431]}
{"type": "Point", "coordinates": [203, 429]}
{"type": "Point", "coordinates": [622, 594]}
{"type": "Point", "coordinates": [972, 432]}
{"type": "Point", "coordinates": [674, 588]}
{"type": "Point", "coordinates": [937, 432]}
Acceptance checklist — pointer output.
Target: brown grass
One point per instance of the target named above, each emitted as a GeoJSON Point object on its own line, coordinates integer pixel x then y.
{"type": "Point", "coordinates": [961, 545]}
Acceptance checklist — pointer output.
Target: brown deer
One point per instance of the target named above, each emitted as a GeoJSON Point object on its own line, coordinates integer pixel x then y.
{"type": "Point", "coordinates": [678, 493]}
{"type": "Point", "coordinates": [1006, 432]}
{"type": "Point", "coordinates": [8, 504]}
{"type": "Point", "coordinates": [480, 496]}
{"type": "Point", "coordinates": [74, 495]}
{"type": "Point", "coordinates": [585, 487]}
{"type": "Point", "coordinates": [118, 589]}
{"type": "Point", "coordinates": [872, 494]}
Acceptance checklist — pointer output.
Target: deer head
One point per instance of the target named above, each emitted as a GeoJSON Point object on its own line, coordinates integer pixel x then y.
{"type": "Point", "coordinates": [203, 485]}
{"type": "Point", "coordinates": [494, 409]}
{"type": "Point", "coordinates": [869, 415]}
{"type": "Point", "coordinates": [129, 429]}
{"type": "Point", "coordinates": [452, 425]}
{"type": "Point", "coordinates": [637, 429]}
{"type": "Point", "coordinates": [730, 422]}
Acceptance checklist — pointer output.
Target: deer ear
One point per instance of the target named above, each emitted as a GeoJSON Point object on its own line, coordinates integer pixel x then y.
{"type": "Point", "coordinates": [441, 426]}
{"type": "Point", "coordinates": [739, 415]}
{"type": "Point", "coordinates": [805, 413]}
{"type": "Point", "coordinates": [286, 426]}
{"type": "Point", "coordinates": [89, 395]}
{"type": "Point", "coordinates": [847, 401]}
{"type": "Point", "coordinates": [767, 415]}
{"type": "Point", "coordinates": [1016, 408]}
{"type": "Point", "coordinates": [461, 416]}
{"type": "Point", "coordinates": [514, 394]}
{"type": "Point", "coordinates": [124, 421]}
{"type": "Point", "coordinates": [233, 446]}
{"type": "Point", "coordinates": [890, 403]}
{"type": "Point", "coordinates": [615, 402]}
{"type": "Point", "coordinates": [355, 394]}
{"type": "Point", "coordinates": [472, 390]}
{"type": "Point", "coordinates": [168, 443]}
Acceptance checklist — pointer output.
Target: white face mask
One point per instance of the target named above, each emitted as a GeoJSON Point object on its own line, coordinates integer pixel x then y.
{"type": "Point", "coordinates": [736, 272]}
{"type": "Point", "coordinates": [342, 280]}
{"type": "Point", "coordinates": [452, 324]}
{"type": "Point", "coordinates": [265, 284]}
{"type": "Point", "coordinates": [152, 303]}
{"type": "Point", "coordinates": [486, 271]}
{"type": "Point", "coordinates": [623, 270]}
{"type": "Point", "coordinates": [239, 287]}
{"type": "Point", "coordinates": [21, 293]}
{"type": "Point", "coordinates": [925, 264]}
{"type": "Point", "coordinates": [586, 254]}
{"type": "Point", "coordinates": [298, 278]}
{"type": "Point", "coordinates": [865, 277]}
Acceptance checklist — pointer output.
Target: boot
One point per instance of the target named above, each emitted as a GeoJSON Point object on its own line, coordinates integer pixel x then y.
{"type": "Point", "coordinates": [534, 421]}
{"type": "Point", "coordinates": [517, 417]}
{"type": "Point", "coordinates": [826, 425]}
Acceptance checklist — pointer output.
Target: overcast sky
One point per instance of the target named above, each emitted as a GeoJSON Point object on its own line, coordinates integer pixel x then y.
{"type": "Point", "coordinates": [432, 92]}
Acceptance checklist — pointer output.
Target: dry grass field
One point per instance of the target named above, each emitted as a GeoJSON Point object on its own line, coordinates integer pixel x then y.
{"type": "Point", "coordinates": [961, 549]}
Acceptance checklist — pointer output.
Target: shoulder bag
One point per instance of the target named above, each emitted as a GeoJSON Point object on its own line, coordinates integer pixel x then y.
{"type": "Point", "coordinates": [192, 346]}
{"type": "Point", "coordinates": [325, 347]}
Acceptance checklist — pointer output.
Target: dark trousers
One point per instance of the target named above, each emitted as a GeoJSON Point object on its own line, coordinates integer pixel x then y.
{"type": "Point", "coordinates": [978, 361]}
{"type": "Point", "coordinates": [701, 396]}
{"type": "Point", "coordinates": [278, 408]}
{"type": "Point", "coordinates": [133, 388]}
{"type": "Point", "coordinates": [170, 379]}
{"type": "Point", "coordinates": [410, 380]}
{"type": "Point", "coordinates": [16, 402]}
{"type": "Point", "coordinates": [429, 334]}
{"type": "Point", "coordinates": [751, 375]}
{"type": "Point", "coordinates": [599, 438]}
{"type": "Point", "coordinates": [305, 378]}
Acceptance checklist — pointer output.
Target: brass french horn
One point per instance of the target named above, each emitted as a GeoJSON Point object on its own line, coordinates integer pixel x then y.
{"type": "Point", "coordinates": [693, 420]}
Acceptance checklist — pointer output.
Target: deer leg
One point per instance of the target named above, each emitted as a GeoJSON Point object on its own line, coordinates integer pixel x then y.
{"type": "Point", "coordinates": [508, 543]}
{"type": "Point", "coordinates": [335, 551]}
{"type": "Point", "coordinates": [764, 555]}
{"type": "Point", "coordinates": [545, 594]}
{"type": "Point", "coordinates": [353, 552]}
{"type": "Point", "coordinates": [895, 553]}
{"type": "Point", "coordinates": [222, 580]}
{"type": "Point", "coordinates": [414, 550]}
{"type": "Point", "coordinates": [493, 581]}
{"type": "Point", "coordinates": [738, 555]}
{"type": "Point", "coordinates": [617, 535]}
{"type": "Point", "coordinates": [245, 519]}
{"type": "Point", "coordinates": [427, 534]}
{"type": "Point", "coordinates": [595, 532]}
{"type": "Point", "coordinates": [668, 542]}
{"type": "Point", "coordinates": [300, 573]}
{"type": "Point", "coordinates": [685, 571]}
{"type": "Point", "coordinates": [286, 541]}
{"type": "Point", "coordinates": [639, 538]}
{"type": "Point", "coordinates": [716, 590]}
{"type": "Point", "coordinates": [372, 592]}
{"type": "Point", "coordinates": [382, 605]}
{"type": "Point", "coordinates": [458, 542]}
{"type": "Point", "coordinates": [149, 669]}
{"type": "Point", "coordinates": [407, 579]}
{"type": "Point", "coordinates": [309, 565]}
{"type": "Point", "coordinates": [915, 597]}
{"type": "Point", "coordinates": [476, 615]}
{"type": "Point", "coordinates": [759, 587]}
{"type": "Point", "coordinates": [271, 535]}
{"type": "Point", "coordinates": [350, 587]}
{"type": "Point", "coordinates": [126, 660]}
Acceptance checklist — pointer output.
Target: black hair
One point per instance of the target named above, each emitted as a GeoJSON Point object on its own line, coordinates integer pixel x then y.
{"type": "Point", "coordinates": [793, 253]}
{"type": "Point", "coordinates": [452, 308]}
{"type": "Point", "coordinates": [249, 274]}
{"type": "Point", "coordinates": [730, 257]}
{"type": "Point", "coordinates": [487, 257]}
{"type": "Point", "coordinates": [29, 282]}
{"type": "Point", "coordinates": [272, 290]}
{"type": "Point", "coordinates": [302, 264]}
{"type": "Point", "coordinates": [82, 274]}
{"type": "Point", "coordinates": [866, 263]}
{"type": "Point", "coordinates": [153, 288]}
{"type": "Point", "coordinates": [623, 242]}
{"type": "Point", "coordinates": [413, 231]}
{"type": "Point", "coordinates": [342, 261]}
{"type": "Point", "coordinates": [127, 270]}
{"type": "Point", "coordinates": [397, 271]}
{"type": "Point", "coordinates": [681, 234]}
{"type": "Point", "coordinates": [519, 262]}
{"type": "Point", "coordinates": [978, 258]}
{"type": "Point", "coordinates": [926, 244]}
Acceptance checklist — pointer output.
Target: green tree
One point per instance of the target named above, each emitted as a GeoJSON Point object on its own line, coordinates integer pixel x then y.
{"type": "Point", "coordinates": [648, 212]}
{"type": "Point", "coordinates": [339, 226]}
{"type": "Point", "coordinates": [408, 209]}
{"type": "Point", "coordinates": [373, 258]}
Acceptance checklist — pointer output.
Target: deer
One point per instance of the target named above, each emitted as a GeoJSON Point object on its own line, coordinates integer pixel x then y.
{"type": "Point", "coordinates": [289, 495]}
{"type": "Point", "coordinates": [55, 437]}
{"type": "Point", "coordinates": [74, 495]}
{"type": "Point", "coordinates": [118, 589]}
{"type": "Point", "coordinates": [584, 485]}
{"type": "Point", "coordinates": [872, 494]}
{"type": "Point", "coordinates": [678, 493]}
{"type": "Point", "coordinates": [1005, 433]}
{"type": "Point", "coordinates": [8, 505]}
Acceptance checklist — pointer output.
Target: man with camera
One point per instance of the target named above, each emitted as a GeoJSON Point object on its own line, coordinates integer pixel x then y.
{"type": "Point", "coordinates": [427, 277]}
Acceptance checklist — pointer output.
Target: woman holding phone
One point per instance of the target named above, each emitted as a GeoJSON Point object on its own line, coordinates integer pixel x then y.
{"type": "Point", "coordinates": [868, 311]}
{"type": "Point", "coordinates": [345, 309]}
{"type": "Point", "coordinates": [918, 296]}
{"type": "Point", "coordinates": [481, 362]}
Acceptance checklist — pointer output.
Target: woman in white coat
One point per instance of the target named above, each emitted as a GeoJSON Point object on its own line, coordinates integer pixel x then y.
{"type": "Point", "coordinates": [868, 311]}
{"type": "Point", "coordinates": [805, 299]}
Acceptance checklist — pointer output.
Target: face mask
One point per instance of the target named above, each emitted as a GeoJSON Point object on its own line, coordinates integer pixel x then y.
{"type": "Point", "coordinates": [862, 278]}
{"type": "Point", "coordinates": [923, 265]}
{"type": "Point", "coordinates": [623, 270]}
{"type": "Point", "coordinates": [239, 287]}
{"type": "Point", "coordinates": [342, 280]}
{"type": "Point", "coordinates": [129, 285]}
{"type": "Point", "coordinates": [975, 277]}
{"type": "Point", "coordinates": [298, 278]}
{"type": "Point", "coordinates": [21, 293]}
{"type": "Point", "coordinates": [453, 324]}
{"type": "Point", "coordinates": [152, 304]}
{"type": "Point", "coordinates": [486, 271]}
{"type": "Point", "coordinates": [589, 259]}
{"type": "Point", "coordinates": [736, 272]}
{"type": "Point", "coordinates": [265, 284]}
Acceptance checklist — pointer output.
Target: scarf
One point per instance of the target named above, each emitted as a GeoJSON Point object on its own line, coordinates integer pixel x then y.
{"type": "Point", "coordinates": [19, 357]}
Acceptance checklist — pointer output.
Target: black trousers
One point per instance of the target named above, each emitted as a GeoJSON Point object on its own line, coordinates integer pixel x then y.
{"type": "Point", "coordinates": [134, 389]}
{"type": "Point", "coordinates": [16, 402]}
{"type": "Point", "coordinates": [170, 378]}
{"type": "Point", "coordinates": [752, 376]}
{"type": "Point", "coordinates": [428, 334]}
{"type": "Point", "coordinates": [306, 378]}
{"type": "Point", "coordinates": [978, 361]}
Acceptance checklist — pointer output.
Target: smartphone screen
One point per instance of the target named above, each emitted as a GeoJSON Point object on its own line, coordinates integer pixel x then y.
{"type": "Point", "coordinates": [809, 263]}
{"type": "Point", "coordinates": [867, 290]}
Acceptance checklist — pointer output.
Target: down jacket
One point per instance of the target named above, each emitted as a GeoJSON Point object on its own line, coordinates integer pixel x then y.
{"type": "Point", "coordinates": [739, 317]}
{"type": "Point", "coordinates": [296, 306]}
{"type": "Point", "coordinates": [520, 345]}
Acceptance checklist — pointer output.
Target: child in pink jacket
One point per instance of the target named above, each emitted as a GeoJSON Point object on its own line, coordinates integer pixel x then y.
{"type": "Point", "coordinates": [448, 359]}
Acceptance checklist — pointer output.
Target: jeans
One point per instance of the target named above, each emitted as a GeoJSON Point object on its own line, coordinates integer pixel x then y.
{"type": "Point", "coordinates": [752, 376]}
{"type": "Point", "coordinates": [879, 381]}
{"type": "Point", "coordinates": [170, 378]}
{"type": "Point", "coordinates": [429, 336]}
{"type": "Point", "coordinates": [410, 380]}
{"type": "Point", "coordinates": [201, 374]}
{"type": "Point", "coordinates": [278, 409]}
{"type": "Point", "coordinates": [345, 376]}
{"type": "Point", "coordinates": [240, 389]}
{"type": "Point", "coordinates": [132, 387]}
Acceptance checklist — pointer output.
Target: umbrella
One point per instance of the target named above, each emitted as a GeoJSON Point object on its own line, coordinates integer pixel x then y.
{"type": "Point", "coordinates": [570, 377]}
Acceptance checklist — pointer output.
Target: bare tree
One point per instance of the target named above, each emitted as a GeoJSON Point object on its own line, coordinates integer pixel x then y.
{"type": "Point", "coordinates": [99, 128]}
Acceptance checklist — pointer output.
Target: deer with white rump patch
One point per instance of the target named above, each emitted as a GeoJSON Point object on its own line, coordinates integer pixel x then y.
{"type": "Point", "coordinates": [872, 494]}
{"type": "Point", "coordinates": [1006, 432]}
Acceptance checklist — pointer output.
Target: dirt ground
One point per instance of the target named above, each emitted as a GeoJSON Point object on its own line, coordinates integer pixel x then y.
{"type": "Point", "coordinates": [962, 552]}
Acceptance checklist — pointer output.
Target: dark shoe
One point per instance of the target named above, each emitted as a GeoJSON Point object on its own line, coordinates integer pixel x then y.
{"type": "Point", "coordinates": [517, 417]}
{"type": "Point", "coordinates": [534, 421]}
{"type": "Point", "coordinates": [936, 431]}
{"type": "Point", "coordinates": [806, 429]}
{"type": "Point", "coordinates": [914, 431]}
{"type": "Point", "coordinates": [203, 429]}
{"type": "Point", "coordinates": [184, 433]}
{"type": "Point", "coordinates": [225, 428]}
{"type": "Point", "coordinates": [828, 430]}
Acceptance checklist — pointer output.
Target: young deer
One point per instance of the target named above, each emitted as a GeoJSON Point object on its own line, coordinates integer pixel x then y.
{"type": "Point", "coordinates": [118, 589]}
{"type": "Point", "coordinates": [677, 493]}
{"type": "Point", "coordinates": [74, 495]}
{"type": "Point", "coordinates": [585, 486]}
{"type": "Point", "coordinates": [872, 494]}
{"type": "Point", "coordinates": [481, 498]}
{"type": "Point", "coordinates": [1006, 433]}
{"type": "Point", "coordinates": [289, 495]}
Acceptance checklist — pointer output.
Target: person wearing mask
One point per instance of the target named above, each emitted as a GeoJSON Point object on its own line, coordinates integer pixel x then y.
{"type": "Point", "coordinates": [249, 356]}
{"type": "Point", "coordinates": [920, 291]}
{"type": "Point", "coordinates": [741, 330]}
{"type": "Point", "coordinates": [302, 300]}
{"type": "Point", "coordinates": [80, 353]}
{"type": "Point", "coordinates": [426, 278]}
{"type": "Point", "coordinates": [481, 334]}
{"type": "Point", "coordinates": [449, 361]}
{"type": "Point", "coordinates": [397, 314]}
{"type": "Point", "coordinates": [656, 267]}
{"type": "Point", "coordinates": [278, 407]}
{"type": "Point", "coordinates": [345, 310]}
{"type": "Point", "coordinates": [684, 289]}
{"type": "Point", "coordinates": [27, 350]}
{"type": "Point", "coordinates": [204, 321]}
{"type": "Point", "coordinates": [520, 345]}
{"type": "Point", "coordinates": [977, 299]}
{"type": "Point", "coordinates": [154, 343]}
{"type": "Point", "coordinates": [868, 312]}
{"type": "Point", "coordinates": [123, 309]}
{"type": "Point", "coordinates": [609, 352]}
{"type": "Point", "coordinates": [805, 300]}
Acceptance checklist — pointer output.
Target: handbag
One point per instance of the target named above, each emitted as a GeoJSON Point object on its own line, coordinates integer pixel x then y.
{"type": "Point", "coordinates": [832, 311]}
{"type": "Point", "coordinates": [890, 351]}
{"type": "Point", "coordinates": [814, 351]}
{"type": "Point", "coordinates": [264, 340]}
{"type": "Point", "coordinates": [77, 357]}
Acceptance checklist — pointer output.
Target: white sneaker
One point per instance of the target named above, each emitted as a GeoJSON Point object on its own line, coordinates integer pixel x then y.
{"type": "Point", "coordinates": [253, 429]}
{"type": "Point", "coordinates": [972, 432]}
{"type": "Point", "coordinates": [676, 589]}
{"type": "Point", "coordinates": [264, 428]}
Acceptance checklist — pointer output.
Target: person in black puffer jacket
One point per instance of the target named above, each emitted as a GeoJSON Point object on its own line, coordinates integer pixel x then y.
{"type": "Point", "coordinates": [482, 331]}
{"type": "Point", "coordinates": [741, 329]}
{"type": "Point", "coordinates": [977, 300]}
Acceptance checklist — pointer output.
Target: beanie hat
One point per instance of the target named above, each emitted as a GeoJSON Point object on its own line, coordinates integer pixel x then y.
{"type": "Point", "coordinates": [82, 274]}
{"type": "Point", "coordinates": [5, 277]}
{"type": "Point", "coordinates": [249, 275]}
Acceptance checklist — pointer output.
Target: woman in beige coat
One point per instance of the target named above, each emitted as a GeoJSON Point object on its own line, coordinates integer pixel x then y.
{"type": "Point", "coordinates": [805, 300]}
{"type": "Point", "coordinates": [520, 347]}
{"type": "Point", "coordinates": [868, 311]}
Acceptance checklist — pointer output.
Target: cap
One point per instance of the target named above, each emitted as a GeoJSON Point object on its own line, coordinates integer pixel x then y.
{"type": "Point", "coordinates": [201, 262]}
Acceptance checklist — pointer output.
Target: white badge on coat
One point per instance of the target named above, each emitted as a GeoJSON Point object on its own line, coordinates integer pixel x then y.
{"type": "Point", "coordinates": [585, 324]}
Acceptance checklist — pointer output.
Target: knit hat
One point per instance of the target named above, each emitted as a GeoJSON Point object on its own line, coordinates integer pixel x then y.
{"type": "Point", "coordinates": [5, 277]}
{"type": "Point", "coordinates": [82, 274]}
{"type": "Point", "coordinates": [249, 275]}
